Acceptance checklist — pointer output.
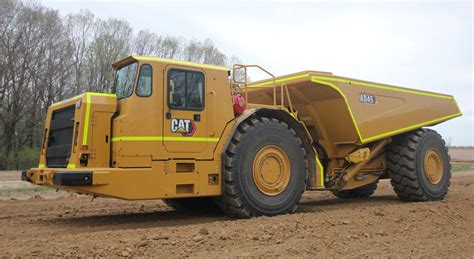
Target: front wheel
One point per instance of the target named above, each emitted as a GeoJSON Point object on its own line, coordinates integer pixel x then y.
{"type": "Point", "coordinates": [419, 166]}
{"type": "Point", "coordinates": [265, 170]}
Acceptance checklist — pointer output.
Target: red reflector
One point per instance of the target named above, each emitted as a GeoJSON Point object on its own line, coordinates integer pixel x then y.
{"type": "Point", "coordinates": [239, 104]}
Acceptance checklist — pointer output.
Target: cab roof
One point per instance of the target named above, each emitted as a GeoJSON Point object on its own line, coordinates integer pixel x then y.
{"type": "Point", "coordinates": [130, 59]}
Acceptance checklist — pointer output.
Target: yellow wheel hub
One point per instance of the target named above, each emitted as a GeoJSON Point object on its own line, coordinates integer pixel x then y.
{"type": "Point", "coordinates": [433, 166]}
{"type": "Point", "coordinates": [271, 170]}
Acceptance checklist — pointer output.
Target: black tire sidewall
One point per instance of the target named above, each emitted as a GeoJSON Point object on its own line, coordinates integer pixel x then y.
{"type": "Point", "coordinates": [259, 136]}
{"type": "Point", "coordinates": [427, 142]}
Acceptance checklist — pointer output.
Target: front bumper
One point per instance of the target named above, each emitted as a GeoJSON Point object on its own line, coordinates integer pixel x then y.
{"type": "Point", "coordinates": [126, 183]}
{"type": "Point", "coordinates": [59, 178]}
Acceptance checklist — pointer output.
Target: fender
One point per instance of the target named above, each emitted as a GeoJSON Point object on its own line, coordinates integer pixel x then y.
{"type": "Point", "coordinates": [315, 170]}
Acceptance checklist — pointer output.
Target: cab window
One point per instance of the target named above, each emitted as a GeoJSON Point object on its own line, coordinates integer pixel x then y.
{"type": "Point", "coordinates": [185, 90]}
{"type": "Point", "coordinates": [125, 80]}
{"type": "Point", "coordinates": [144, 81]}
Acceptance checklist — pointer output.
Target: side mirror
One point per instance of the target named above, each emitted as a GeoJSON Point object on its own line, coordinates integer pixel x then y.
{"type": "Point", "coordinates": [177, 100]}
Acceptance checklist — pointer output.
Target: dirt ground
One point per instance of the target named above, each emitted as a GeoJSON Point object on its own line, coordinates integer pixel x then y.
{"type": "Point", "coordinates": [462, 154]}
{"type": "Point", "coordinates": [45, 223]}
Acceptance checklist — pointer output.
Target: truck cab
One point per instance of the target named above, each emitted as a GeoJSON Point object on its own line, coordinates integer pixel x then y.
{"type": "Point", "coordinates": [171, 108]}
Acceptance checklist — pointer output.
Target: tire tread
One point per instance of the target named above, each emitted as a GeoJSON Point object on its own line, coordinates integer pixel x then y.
{"type": "Point", "coordinates": [230, 202]}
{"type": "Point", "coordinates": [401, 168]}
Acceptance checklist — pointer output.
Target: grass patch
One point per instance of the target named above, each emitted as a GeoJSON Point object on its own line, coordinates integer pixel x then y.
{"type": "Point", "coordinates": [460, 168]}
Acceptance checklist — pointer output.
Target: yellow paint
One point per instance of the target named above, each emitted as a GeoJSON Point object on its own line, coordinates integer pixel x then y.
{"type": "Point", "coordinates": [386, 87]}
{"type": "Point", "coordinates": [321, 171]}
{"type": "Point", "coordinates": [70, 99]}
{"type": "Point", "coordinates": [412, 127]}
{"type": "Point", "coordinates": [204, 162]}
{"type": "Point", "coordinates": [386, 134]}
{"type": "Point", "coordinates": [177, 62]}
{"type": "Point", "coordinates": [334, 79]}
{"type": "Point", "coordinates": [140, 183]}
{"type": "Point", "coordinates": [285, 79]}
{"type": "Point", "coordinates": [151, 138]}
{"type": "Point", "coordinates": [88, 113]}
{"type": "Point", "coordinates": [457, 106]}
{"type": "Point", "coordinates": [335, 87]}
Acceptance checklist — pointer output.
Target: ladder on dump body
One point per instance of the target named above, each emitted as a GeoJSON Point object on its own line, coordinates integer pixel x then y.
{"type": "Point", "coordinates": [244, 83]}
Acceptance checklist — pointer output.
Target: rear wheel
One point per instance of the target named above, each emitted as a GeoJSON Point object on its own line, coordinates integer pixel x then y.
{"type": "Point", "coordinates": [360, 192]}
{"type": "Point", "coordinates": [419, 166]}
{"type": "Point", "coordinates": [265, 170]}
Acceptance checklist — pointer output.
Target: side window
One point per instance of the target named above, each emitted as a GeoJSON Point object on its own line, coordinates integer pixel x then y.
{"type": "Point", "coordinates": [125, 80]}
{"type": "Point", "coordinates": [144, 81]}
{"type": "Point", "coordinates": [185, 90]}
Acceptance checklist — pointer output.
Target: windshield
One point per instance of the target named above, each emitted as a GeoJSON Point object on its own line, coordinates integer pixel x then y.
{"type": "Point", "coordinates": [124, 80]}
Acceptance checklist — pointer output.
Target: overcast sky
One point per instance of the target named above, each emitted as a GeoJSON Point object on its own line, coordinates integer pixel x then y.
{"type": "Point", "coordinates": [419, 44]}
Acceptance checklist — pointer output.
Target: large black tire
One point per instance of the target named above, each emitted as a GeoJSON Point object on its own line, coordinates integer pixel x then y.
{"type": "Point", "coordinates": [241, 196]}
{"type": "Point", "coordinates": [360, 192]}
{"type": "Point", "coordinates": [199, 203]}
{"type": "Point", "coordinates": [406, 166]}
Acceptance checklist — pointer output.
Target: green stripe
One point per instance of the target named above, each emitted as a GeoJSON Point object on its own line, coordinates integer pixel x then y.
{"type": "Point", "coordinates": [355, 82]}
{"type": "Point", "coordinates": [86, 119]}
{"type": "Point", "coordinates": [345, 101]}
{"type": "Point", "coordinates": [178, 62]}
{"type": "Point", "coordinates": [270, 82]}
{"type": "Point", "coordinates": [88, 113]}
{"type": "Point", "coordinates": [80, 95]}
{"type": "Point", "coordinates": [154, 138]}
{"type": "Point", "coordinates": [321, 171]}
{"type": "Point", "coordinates": [412, 127]}
{"type": "Point", "coordinates": [102, 94]}
{"type": "Point", "coordinates": [386, 87]}
{"type": "Point", "coordinates": [67, 100]}
{"type": "Point", "coordinates": [386, 134]}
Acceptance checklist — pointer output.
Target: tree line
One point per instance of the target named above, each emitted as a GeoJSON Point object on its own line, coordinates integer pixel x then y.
{"type": "Point", "coordinates": [46, 57]}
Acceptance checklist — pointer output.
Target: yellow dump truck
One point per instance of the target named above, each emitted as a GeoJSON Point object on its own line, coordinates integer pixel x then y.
{"type": "Point", "coordinates": [195, 135]}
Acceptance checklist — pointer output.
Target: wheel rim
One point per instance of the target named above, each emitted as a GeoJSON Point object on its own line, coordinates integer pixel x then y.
{"type": "Point", "coordinates": [433, 166]}
{"type": "Point", "coordinates": [271, 170]}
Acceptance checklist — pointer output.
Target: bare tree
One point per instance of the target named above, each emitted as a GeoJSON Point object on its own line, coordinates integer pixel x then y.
{"type": "Point", "coordinates": [111, 42]}
{"type": "Point", "coordinates": [45, 58]}
{"type": "Point", "coordinates": [80, 28]}
{"type": "Point", "coordinates": [169, 47]}
{"type": "Point", "coordinates": [147, 43]}
{"type": "Point", "coordinates": [32, 51]}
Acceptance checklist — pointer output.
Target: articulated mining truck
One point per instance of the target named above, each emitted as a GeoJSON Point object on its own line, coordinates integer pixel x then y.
{"type": "Point", "coordinates": [195, 135]}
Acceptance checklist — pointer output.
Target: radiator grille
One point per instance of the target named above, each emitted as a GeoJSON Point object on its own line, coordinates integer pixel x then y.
{"type": "Point", "coordinates": [60, 137]}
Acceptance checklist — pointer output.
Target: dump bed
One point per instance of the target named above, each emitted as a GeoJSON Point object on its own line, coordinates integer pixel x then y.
{"type": "Point", "coordinates": [344, 110]}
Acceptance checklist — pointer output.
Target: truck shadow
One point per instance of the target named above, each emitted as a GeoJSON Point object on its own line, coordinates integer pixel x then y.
{"type": "Point", "coordinates": [330, 204]}
{"type": "Point", "coordinates": [167, 217]}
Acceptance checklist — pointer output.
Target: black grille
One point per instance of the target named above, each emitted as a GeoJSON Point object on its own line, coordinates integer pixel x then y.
{"type": "Point", "coordinates": [60, 137]}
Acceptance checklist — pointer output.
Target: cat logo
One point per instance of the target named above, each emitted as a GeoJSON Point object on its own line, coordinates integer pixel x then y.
{"type": "Point", "coordinates": [184, 126]}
